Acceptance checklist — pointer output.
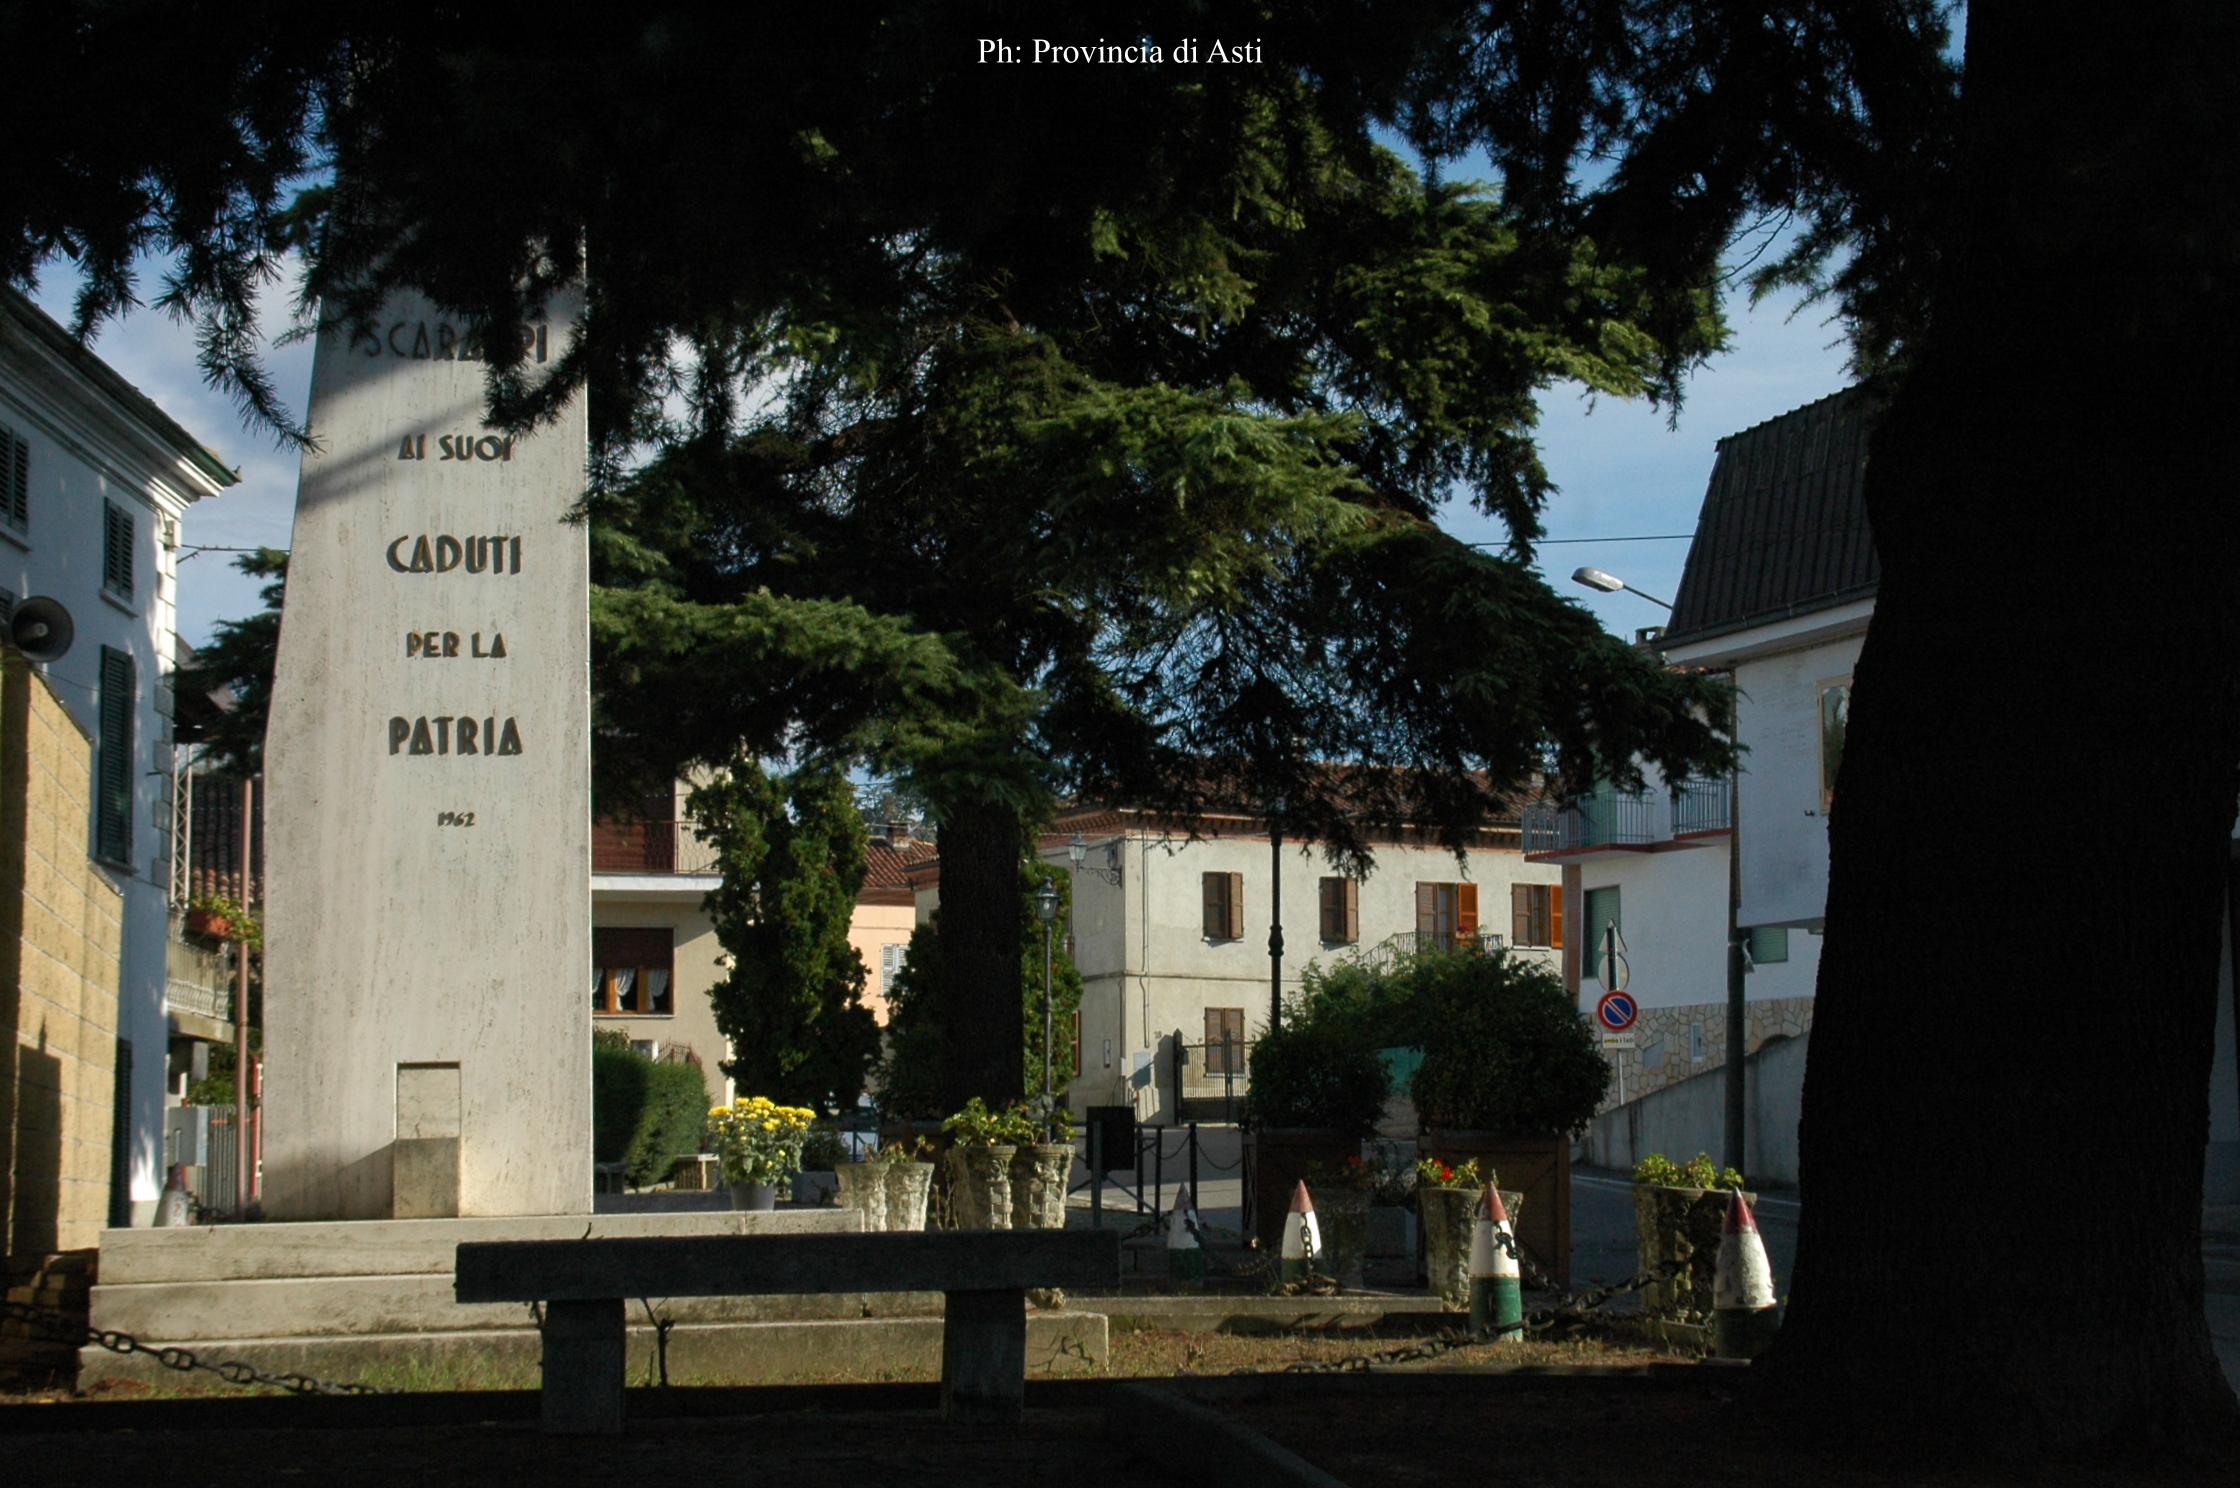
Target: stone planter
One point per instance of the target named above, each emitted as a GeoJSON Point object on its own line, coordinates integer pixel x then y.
{"type": "Point", "coordinates": [864, 1186]}
{"type": "Point", "coordinates": [1448, 1215]}
{"type": "Point", "coordinates": [759, 1197]}
{"type": "Point", "coordinates": [1038, 1186]}
{"type": "Point", "coordinates": [1342, 1214]}
{"type": "Point", "coordinates": [1537, 1167]}
{"type": "Point", "coordinates": [1281, 1157]}
{"type": "Point", "coordinates": [980, 1186]}
{"type": "Point", "coordinates": [1680, 1224]}
{"type": "Point", "coordinates": [909, 1186]}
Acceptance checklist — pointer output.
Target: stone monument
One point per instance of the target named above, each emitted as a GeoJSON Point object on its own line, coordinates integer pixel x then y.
{"type": "Point", "coordinates": [427, 1014]}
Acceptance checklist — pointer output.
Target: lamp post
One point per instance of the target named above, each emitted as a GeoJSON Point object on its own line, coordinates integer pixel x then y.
{"type": "Point", "coordinates": [1275, 912]}
{"type": "Point", "coordinates": [1046, 910]}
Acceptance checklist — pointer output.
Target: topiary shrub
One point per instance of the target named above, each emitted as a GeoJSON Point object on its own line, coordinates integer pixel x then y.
{"type": "Point", "coordinates": [1505, 1049]}
{"type": "Point", "coordinates": [1317, 1074]}
{"type": "Point", "coordinates": [645, 1113]}
{"type": "Point", "coordinates": [671, 1123]}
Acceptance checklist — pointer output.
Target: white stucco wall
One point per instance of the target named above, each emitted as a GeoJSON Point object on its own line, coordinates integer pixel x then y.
{"type": "Point", "coordinates": [1673, 925]}
{"type": "Point", "coordinates": [85, 450]}
{"type": "Point", "coordinates": [1784, 833]}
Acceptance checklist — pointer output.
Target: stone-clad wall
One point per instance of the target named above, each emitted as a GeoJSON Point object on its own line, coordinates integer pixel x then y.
{"type": "Point", "coordinates": [1673, 1043]}
{"type": "Point", "coordinates": [61, 929]}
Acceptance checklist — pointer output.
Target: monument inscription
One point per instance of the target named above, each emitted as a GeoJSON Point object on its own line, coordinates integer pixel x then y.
{"type": "Point", "coordinates": [429, 840]}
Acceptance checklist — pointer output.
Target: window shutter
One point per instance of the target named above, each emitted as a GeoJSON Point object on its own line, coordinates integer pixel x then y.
{"type": "Point", "coordinates": [1520, 915]}
{"type": "Point", "coordinates": [1353, 920]}
{"type": "Point", "coordinates": [1555, 914]}
{"type": "Point", "coordinates": [15, 479]}
{"type": "Point", "coordinates": [116, 549]}
{"type": "Point", "coordinates": [7, 608]}
{"type": "Point", "coordinates": [1216, 892]}
{"type": "Point", "coordinates": [1427, 910]}
{"type": "Point", "coordinates": [1236, 906]}
{"type": "Point", "coordinates": [1465, 911]}
{"type": "Point", "coordinates": [1327, 903]}
{"type": "Point", "coordinates": [113, 806]}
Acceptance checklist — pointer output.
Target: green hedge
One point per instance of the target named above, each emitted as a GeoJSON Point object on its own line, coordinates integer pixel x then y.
{"type": "Point", "coordinates": [1503, 1047]}
{"type": "Point", "coordinates": [645, 1113]}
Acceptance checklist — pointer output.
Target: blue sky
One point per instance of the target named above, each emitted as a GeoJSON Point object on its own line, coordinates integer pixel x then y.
{"type": "Point", "coordinates": [1621, 472]}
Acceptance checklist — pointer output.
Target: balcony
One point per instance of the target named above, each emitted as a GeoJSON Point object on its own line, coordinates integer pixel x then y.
{"type": "Point", "coordinates": [1700, 807]}
{"type": "Point", "coordinates": [1615, 821]}
{"type": "Point", "coordinates": [649, 845]}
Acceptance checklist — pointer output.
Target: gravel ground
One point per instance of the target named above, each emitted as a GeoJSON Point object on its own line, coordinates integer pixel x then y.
{"type": "Point", "coordinates": [897, 1449]}
{"type": "Point", "coordinates": [1614, 1434]}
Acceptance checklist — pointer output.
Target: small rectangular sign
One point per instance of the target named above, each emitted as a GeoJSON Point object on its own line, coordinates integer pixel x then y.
{"type": "Point", "coordinates": [1619, 1041]}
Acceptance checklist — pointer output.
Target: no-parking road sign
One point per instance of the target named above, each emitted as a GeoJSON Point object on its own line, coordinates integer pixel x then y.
{"type": "Point", "coordinates": [1616, 1011]}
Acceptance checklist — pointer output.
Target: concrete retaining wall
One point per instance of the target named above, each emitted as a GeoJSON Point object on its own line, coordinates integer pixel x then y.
{"type": "Point", "coordinates": [1688, 1117]}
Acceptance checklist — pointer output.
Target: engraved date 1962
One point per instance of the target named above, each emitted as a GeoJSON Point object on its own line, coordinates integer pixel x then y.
{"type": "Point", "coordinates": [454, 818]}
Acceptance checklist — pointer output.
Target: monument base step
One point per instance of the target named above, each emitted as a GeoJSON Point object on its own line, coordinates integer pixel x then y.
{"type": "Point", "coordinates": [1058, 1343]}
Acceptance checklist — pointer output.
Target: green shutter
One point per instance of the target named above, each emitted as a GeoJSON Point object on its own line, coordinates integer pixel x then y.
{"type": "Point", "coordinates": [1602, 914]}
{"type": "Point", "coordinates": [15, 479]}
{"type": "Point", "coordinates": [112, 832]}
{"type": "Point", "coordinates": [1768, 944]}
{"type": "Point", "coordinates": [117, 539]}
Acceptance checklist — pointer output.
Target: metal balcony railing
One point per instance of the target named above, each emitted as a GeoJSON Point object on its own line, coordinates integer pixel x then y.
{"type": "Point", "coordinates": [1702, 806]}
{"type": "Point", "coordinates": [1604, 819]}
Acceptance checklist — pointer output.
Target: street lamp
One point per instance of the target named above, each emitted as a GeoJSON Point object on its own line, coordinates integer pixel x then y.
{"type": "Point", "coordinates": [1610, 583]}
{"type": "Point", "coordinates": [1046, 910]}
{"type": "Point", "coordinates": [1077, 853]}
{"type": "Point", "coordinates": [1276, 807]}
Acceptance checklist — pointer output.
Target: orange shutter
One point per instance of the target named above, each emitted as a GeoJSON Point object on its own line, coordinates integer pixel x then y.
{"type": "Point", "coordinates": [1236, 906]}
{"type": "Point", "coordinates": [1465, 912]}
{"type": "Point", "coordinates": [1555, 914]}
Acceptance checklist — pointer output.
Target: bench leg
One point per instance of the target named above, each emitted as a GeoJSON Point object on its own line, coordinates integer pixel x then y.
{"type": "Point", "coordinates": [984, 1357]}
{"type": "Point", "coordinates": [583, 1367]}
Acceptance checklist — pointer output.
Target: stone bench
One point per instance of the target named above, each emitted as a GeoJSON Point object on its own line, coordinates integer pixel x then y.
{"type": "Point", "coordinates": [984, 1274]}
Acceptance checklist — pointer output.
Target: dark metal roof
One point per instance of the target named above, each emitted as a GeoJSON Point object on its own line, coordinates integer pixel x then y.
{"type": "Point", "coordinates": [1784, 524]}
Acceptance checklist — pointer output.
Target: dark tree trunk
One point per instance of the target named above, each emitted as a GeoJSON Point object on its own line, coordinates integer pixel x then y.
{"type": "Point", "coordinates": [2006, 1106]}
{"type": "Point", "coordinates": [980, 949]}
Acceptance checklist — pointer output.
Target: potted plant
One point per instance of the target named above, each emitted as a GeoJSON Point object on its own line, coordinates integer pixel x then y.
{"type": "Point", "coordinates": [1039, 1170]}
{"type": "Point", "coordinates": [215, 917]}
{"type": "Point", "coordinates": [909, 1181]}
{"type": "Point", "coordinates": [1511, 1072]}
{"type": "Point", "coordinates": [759, 1142]}
{"type": "Point", "coordinates": [1448, 1196]}
{"type": "Point", "coordinates": [1318, 1089]}
{"type": "Point", "coordinates": [1679, 1210]}
{"type": "Point", "coordinates": [983, 1142]}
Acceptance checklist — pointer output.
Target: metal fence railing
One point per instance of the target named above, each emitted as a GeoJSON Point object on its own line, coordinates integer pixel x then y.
{"type": "Point", "coordinates": [1702, 806]}
{"type": "Point", "coordinates": [1604, 819]}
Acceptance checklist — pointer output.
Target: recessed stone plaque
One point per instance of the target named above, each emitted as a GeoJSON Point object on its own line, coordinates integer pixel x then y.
{"type": "Point", "coordinates": [428, 776]}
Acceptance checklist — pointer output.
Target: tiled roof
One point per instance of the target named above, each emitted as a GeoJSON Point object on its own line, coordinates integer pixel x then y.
{"type": "Point", "coordinates": [886, 863]}
{"type": "Point", "coordinates": [1784, 524]}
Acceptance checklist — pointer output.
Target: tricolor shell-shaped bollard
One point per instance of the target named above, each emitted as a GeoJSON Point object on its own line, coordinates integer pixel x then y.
{"type": "Point", "coordinates": [1743, 1314]}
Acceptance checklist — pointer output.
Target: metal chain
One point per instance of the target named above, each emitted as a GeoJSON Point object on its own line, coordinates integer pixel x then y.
{"type": "Point", "coordinates": [1567, 1306]}
{"type": "Point", "coordinates": [62, 1327]}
